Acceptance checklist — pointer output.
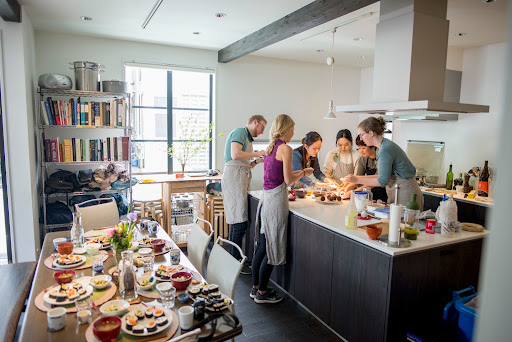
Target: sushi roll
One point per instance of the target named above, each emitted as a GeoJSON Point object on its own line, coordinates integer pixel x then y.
{"type": "Point", "coordinates": [194, 291]}
{"type": "Point", "coordinates": [205, 291]}
{"type": "Point", "coordinates": [64, 287]}
{"type": "Point", "coordinates": [73, 296]}
{"type": "Point", "coordinates": [139, 314]}
{"type": "Point", "coordinates": [130, 323]}
{"type": "Point", "coordinates": [150, 311]}
{"type": "Point", "coordinates": [151, 326]}
{"type": "Point", "coordinates": [219, 306]}
{"type": "Point", "coordinates": [54, 294]}
{"type": "Point", "coordinates": [161, 321]}
{"type": "Point", "coordinates": [81, 292]}
{"type": "Point", "coordinates": [213, 288]}
{"type": "Point", "coordinates": [214, 295]}
{"type": "Point", "coordinates": [77, 286]}
{"type": "Point", "coordinates": [138, 329]}
{"type": "Point", "coordinates": [165, 276]}
{"type": "Point", "coordinates": [131, 317]}
{"type": "Point", "coordinates": [158, 313]}
{"type": "Point", "coordinates": [61, 297]}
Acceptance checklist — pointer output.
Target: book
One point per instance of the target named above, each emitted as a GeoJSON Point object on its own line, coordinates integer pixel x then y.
{"type": "Point", "coordinates": [44, 115]}
{"type": "Point", "coordinates": [119, 149]}
{"type": "Point", "coordinates": [49, 113]}
{"type": "Point", "coordinates": [99, 149]}
{"type": "Point", "coordinates": [68, 154]}
{"type": "Point", "coordinates": [107, 114]}
{"type": "Point", "coordinates": [105, 150]}
{"type": "Point", "coordinates": [77, 112]}
{"type": "Point", "coordinates": [54, 151]}
{"type": "Point", "coordinates": [114, 151]}
{"type": "Point", "coordinates": [47, 150]}
{"type": "Point", "coordinates": [97, 120]}
{"type": "Point", "coordinates": [73, 148]}
{"type": "Point", "coordinates": [125, 148]}
{"type": "Point", "coordinates": [101, 105]}
{"type": "Point", "coordinates": [87, 150]}
{"type": "Point", "coordinates": [61, 153]}
{"type": "Point", "coordinates": [82, 113]}
{"type": "Point", "coordinates": [109, 151]}
{"type": "Point", "coordinates": [91, 115]}
{"type": "Point", "coordinates": [86, 113]}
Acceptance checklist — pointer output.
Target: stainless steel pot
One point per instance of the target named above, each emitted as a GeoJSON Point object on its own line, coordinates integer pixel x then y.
{"type": "Point", "coordinates": [114, 86]}
{"type": "Point", "coordinates": [87, 75]}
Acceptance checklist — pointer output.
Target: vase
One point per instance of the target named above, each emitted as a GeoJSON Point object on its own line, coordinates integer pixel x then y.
{"type": "Point", "coordinates": [117, 255]}
{"type": "Point", "coordinates": [182, 174]}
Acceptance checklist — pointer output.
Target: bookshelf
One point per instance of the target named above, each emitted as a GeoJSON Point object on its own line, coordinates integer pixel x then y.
{"type": "Point", "coordinates": [81, 130]}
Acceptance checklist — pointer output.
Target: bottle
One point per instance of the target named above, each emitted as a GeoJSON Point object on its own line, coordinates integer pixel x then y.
{"type": "Point", "coordinates": [459, 180]}
{"type": "Point", "coordinates": [77, 231]}
{"type": "Point", "coordinates": [351, 213]}
{"type": "Point", "coordinates": [411, 218]}
{"type": "Point", "coordinates": [449, 179]}
{"type": "Point", "coordinates": [483, 182]}
{"type": "Point", "coordinates": [369, 194]}
{"type": "Point", "coordinates": [127, 288]}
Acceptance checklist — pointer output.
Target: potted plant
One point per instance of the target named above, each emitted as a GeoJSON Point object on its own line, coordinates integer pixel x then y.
{"type": "Point", "coordinates": [191, 141]}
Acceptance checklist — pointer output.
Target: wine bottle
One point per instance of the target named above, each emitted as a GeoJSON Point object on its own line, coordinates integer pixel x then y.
{"type": "Point", "coordinates": [449, 179]}
{"type": "Point", "coordinates": [483, 182]}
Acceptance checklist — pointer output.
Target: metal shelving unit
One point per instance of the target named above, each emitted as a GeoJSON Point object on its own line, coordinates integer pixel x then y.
{"type": "Point", "coordinates": [44, 129]}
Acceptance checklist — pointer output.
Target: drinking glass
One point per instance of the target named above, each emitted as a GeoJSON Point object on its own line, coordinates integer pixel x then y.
{"type": "Point", "coordinates": [148, 262]}
{"type": "Point", "coordinates": [167, 293]}
{"type": "Point", "coordinates": [84, 310]}
{"type": "Point", "coordinates": [97, 263]}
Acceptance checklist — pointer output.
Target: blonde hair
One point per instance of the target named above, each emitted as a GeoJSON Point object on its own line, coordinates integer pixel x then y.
{"type": "Point", "coordinates": [256, 117]}
{"type": "Point", "coordinates": [281, 125]}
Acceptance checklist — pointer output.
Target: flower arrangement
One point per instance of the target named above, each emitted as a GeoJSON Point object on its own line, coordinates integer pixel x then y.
{"type": "Point", "coordinates": [121, 235]}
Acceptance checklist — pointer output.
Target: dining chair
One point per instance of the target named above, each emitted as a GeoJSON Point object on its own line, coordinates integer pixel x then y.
{"type": "Point", "coordinates": [197, 244]}
{"type": "Point", "coordinates": [223, 269]}
{"type": "Point", "coordinates": [191, 336]}
{"type": "Point", "coordinates": [98, 215]}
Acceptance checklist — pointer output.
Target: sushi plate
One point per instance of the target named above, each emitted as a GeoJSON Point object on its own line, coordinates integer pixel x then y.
{"type": "Point", "coordinates": [88, 291]}
{"type": "Point", "coordinates": [145, 321]}
{"type": "Point", "coordinates": [146, 242]}
{"type": "Point", "coordinates": [103, 241]}
{"type": "Point", "coordinates": [171, 269]}
{"type": "Point", "coordinates": [80, 260]}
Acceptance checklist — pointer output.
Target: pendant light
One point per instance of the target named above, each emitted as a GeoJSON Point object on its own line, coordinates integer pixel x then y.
{"type": "Point", "coordinates": [330, 62]}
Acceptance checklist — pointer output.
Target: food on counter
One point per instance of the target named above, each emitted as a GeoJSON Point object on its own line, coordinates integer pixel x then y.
{"type": "Point", "coordinates": [410, 233]}
{"type": "Point", "coordinates": [99, 282]}
{"type": "Point", "coordinates": [472, 227]}
{"type": "Point", "coordinates": [322, 198]}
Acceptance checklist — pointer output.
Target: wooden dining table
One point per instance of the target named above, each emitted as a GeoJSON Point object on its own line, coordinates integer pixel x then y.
{"type": "Point", "coordinates": [35, 326]}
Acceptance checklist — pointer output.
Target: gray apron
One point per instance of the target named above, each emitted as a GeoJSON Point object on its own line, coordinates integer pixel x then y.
{"type": "Point", "coordinates": [408, 186]}
{"type": "Point", "coordinates": [236, 181]}
{"type": "Point", "coordinates": [272, 218]}
{"type": "Point", "coordinates": [343, 169]}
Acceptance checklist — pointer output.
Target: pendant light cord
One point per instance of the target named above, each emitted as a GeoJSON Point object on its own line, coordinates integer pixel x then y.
{"type": "Point", "coordinates": [332, 64]}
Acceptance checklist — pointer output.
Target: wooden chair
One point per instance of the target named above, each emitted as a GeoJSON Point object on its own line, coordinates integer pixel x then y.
{"type": "Point", "coordinates": [98, 215]}
{"type": "Point", "coordinates": [197, 244]}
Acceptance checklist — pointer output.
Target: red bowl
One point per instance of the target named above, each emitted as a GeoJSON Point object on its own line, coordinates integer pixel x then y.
{"type": "Point", "coordinates": [158, 245]}
{"type": "Point", "coordinates": [65, 248]}
{"type": "Point", "coordinates": [109, 333]}
{"type": "Point", "coordinates": [373, 231]}
{"type": "Point", "coordinates": [60, 279]}
{"type": "Point", "coordinates": [181, 285]}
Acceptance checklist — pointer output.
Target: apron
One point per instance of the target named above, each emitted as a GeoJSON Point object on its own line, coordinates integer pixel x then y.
{"type": "Point", "coordinates": [272, 219]}
{"type": "Point", "coordinates": [408, 186]}
{"type": "Point", "coordinates": [236, 181]}
{"type": "Point", "coordinates": [342, 169]}
{"type": "Point", "coordinates": [379, 193]}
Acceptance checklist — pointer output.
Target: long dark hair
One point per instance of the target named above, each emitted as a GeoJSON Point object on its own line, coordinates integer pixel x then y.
{"type": "Point", "coordinates": [344, 133]}
{"type": "Point", "coordinates": [308, 140]}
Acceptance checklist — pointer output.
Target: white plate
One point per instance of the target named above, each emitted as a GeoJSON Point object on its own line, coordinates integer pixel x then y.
{"type": "Point", "coordinates": [121, 304]}
{"type": "Point", "coordinates": [157, 276]}
{"type": "Point", "coordinates": [145, 321]}
{"type": "Point", "coordinates": [317, 200]}
{"type": "Point", "coordinates": [64, 267]}
{"type": "Point", "coordinates": [79, 250]}
{"type": "Point", "coordinates": [104, 246]}
{"type": "Point", "coordinates": [141, 244]}
{"type": "Point", "coordinates": [88, 290]}
{"type": "Point", "coordinates": [94, 233]}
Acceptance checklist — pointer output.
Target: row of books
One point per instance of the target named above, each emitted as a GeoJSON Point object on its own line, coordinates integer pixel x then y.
{"type": "Point", "coordinates": [84, 150]}
{"type": "Point", "coordinates": [80, 113]}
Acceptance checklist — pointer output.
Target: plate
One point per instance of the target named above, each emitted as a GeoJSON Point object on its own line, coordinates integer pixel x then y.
{"type": "Point", "coordinates": [171, 270]}
{"type": "Point", "coordinates": [88, 290]}
{"type": "Point", "coordinates": [209, 302]}
{"type": "Point", "coordinates": [145, 321]}
{"type": "Point", "coordinates": [94, 233]}
{"type": "Point", "coordinates": [317, 200]}
{"type": "Point", "coordinates": [145, 242]}
{"type": "Point", "coordinates": [80, 259]}
{"type": "Point", "coordinates": [105, 244]}
{"type": "Point", "coordinates": [79, 250]}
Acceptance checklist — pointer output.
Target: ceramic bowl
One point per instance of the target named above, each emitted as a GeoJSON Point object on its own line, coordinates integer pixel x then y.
{"type": "Point", "coordinates": [158, 245]}
{"type": "Point", "coordinates": [183, 298]}
{"type": "Point", "coordinates": [100, 277]}
{"type": "Point", "coordinates": [65, 248]}
{"type": "Point", "coordinates": [63, 277]}
{"type": "Point", "coordinates": [300, 193]}
{"type": "Point", "coordinates": [145, 251]}
{"type": "Point", "coordinates": [59, 240]}
{"type": "Point", "coordinates": [114, 308]}
{"type": "Point", "coordinates": [181, 285]}
{"type": "Point", "coordinates": [93, 248]}
{"type": "Point", "coordinates": [151, 279]}
{"type": "Point", "coordinates": [373, 231]}
{"type": "Point", "coordinates": [107, 335]}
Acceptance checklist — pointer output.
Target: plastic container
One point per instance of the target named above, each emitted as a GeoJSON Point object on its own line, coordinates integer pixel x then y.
{"type": "Point", "coordinates": [360, 200]}
{"type": "Point", "coordinates": [460, 317]}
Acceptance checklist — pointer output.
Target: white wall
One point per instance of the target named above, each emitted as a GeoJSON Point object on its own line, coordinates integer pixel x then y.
{"type": "Point", "coordinates": [19, 130]}
{"type": "Point", "coordinates": [245, 86]}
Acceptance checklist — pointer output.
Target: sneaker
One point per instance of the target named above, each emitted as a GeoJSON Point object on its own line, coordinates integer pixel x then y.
{"type": "Point", "coordinates": [269, 297]}
{"type": "Point", "coordinates": [254, 291]}
{"type": "Point", "coordinates": [246, 270]}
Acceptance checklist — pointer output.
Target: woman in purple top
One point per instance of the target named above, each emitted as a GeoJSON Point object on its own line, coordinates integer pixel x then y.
{"type": "Point", "coordinates": [272, 213]}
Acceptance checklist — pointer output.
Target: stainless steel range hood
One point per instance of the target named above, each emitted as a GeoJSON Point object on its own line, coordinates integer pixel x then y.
{"type": "Point", "coordinates": [410, 64]}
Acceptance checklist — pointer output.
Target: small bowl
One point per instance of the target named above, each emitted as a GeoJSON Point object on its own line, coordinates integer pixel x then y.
{"type": "Point", "coordinates": [183, 298]}
{"type": "Point", "coordinates": [165, 286]}
{"type": "Point", "coordinates": [104, 277]}
{"type": "Point", "coordinates": [56, 241]}
{"type": "Point", "coordinates": [181, 285]}
{"type": "Point", "coordinates": [373, 231]}
{"type": "Point", "coordinates": [145, 251]}
{"type": "Point", "coordinates": [300, 193]}
{"type": "Point", "coordinates": [79, 250]}
{"type": "Point", "coordinates": [108, 334]}
{"type": "Point", "coordinates": [121, 307]}
{"type": "Point", "coordinates": [158, 245]}
{"type": "Point", "coordinates": [146, 287]}
{"type": "Point", "coordinates": [93, 248]}
{"type": "Point", "coordinates": [61, 279]}
{"type": "Point", "coordinates": [65, 248]}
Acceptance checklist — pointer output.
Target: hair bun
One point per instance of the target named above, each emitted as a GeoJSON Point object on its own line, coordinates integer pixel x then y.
{"type": "Point", "coordinates": [382, 122]}
{"type": "Point", "coordinates": [303, 141]}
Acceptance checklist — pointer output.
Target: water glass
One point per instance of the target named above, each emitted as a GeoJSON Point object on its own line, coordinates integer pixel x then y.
{"type": "Point", "coordinates": [84, 307]}
{"type": "Point", "coordinates": [167, 294]}
{"type": "Point", "coordinates": [97, 263]}
{"type": "Point", "coordinates": [175, 256]}
{"type": "Point", "coordinates": [148, 262]}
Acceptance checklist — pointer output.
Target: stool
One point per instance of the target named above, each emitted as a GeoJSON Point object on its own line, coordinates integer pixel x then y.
{"type": "Point", "coordinates": [216, 216]}
{"type": "Point", "coordinates": [152, 208]}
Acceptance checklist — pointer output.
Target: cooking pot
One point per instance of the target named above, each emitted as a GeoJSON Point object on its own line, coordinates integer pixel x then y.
{"type": "Point", "coordinates": [114, 86]}
{"type": "Point", "coordinates": [87, 75]}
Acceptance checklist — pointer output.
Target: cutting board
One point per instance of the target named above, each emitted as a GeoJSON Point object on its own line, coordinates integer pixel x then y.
{"type": "Point", "coordinates": [385, 227]}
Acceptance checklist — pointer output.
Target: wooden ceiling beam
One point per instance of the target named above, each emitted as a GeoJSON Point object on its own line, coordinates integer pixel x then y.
{"type": "Point", "coordinates": [10, 10]}
{"type": "Point", "coordinates": [303, 19]}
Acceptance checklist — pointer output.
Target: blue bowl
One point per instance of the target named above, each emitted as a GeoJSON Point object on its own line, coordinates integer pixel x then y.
{"type": "Point", "coordinates": [183, 298]}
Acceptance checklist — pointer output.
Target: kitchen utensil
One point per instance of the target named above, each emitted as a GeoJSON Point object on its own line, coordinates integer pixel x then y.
{"type": "Point", "coordinates": [87, 75]}
{"type": "Point", "coordinates": [113, 86]}
{"type": "Point", "coordinates": [373, 231]}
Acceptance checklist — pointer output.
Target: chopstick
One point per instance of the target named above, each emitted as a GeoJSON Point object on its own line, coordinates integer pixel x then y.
{"type": "Point", "coordinates": [96, 308]}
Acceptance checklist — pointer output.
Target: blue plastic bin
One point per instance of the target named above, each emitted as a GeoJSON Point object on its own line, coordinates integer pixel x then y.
{"type": "Point", "coordinates": [459, 316]}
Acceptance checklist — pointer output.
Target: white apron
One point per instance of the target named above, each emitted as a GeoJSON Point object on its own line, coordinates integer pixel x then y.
{"type": "Point", "coordinates": [236, 181]}
{"type": "Point", "coordinates": [408, 186]}
{"type": "Point", "coordinates": [342, 169]}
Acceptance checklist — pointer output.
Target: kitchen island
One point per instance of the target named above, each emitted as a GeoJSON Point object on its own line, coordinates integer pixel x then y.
{"type": "Point", "coordinates": [361, 289]}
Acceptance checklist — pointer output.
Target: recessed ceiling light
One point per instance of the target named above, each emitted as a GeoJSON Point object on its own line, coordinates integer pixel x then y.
{"type": "Point", "coordinates": [319, 50]}
{"type": "Point", "coordinates": [86, 18]}
{"type": "Point", "coordinates": [196, 33]}
{"type": "Point", "coordinates": [220, 15]}
{"type": "Point", "coordinates": [358, 39]}
{"type": "Point", "coordinates": [460, 34]}
{"type": "Point", "coordinates": [363, 57]}
{"type": "Point", "coordinates": [488, 1]}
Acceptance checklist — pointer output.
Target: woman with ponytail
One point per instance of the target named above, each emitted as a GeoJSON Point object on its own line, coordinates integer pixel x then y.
{"type": "Point", "coordinates": [272, 212]}
{"type": "Point", "coordinates": [393, 164]}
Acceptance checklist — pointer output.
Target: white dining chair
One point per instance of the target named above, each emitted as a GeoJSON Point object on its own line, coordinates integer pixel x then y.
{"type": "Point", "coordinates": [98, 215]}
{"type": "Point", "coordinates": [191, 336]}
{"type": "Point", "coordinates": [197, 244]}
{"type": "Point", "coordinates": [223, 269]}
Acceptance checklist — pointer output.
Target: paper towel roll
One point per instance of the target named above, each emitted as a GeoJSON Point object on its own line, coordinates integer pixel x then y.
{"type": "Point", "coordinates": [394, 222]}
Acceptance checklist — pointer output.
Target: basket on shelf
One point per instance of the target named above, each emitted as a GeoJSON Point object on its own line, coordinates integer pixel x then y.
{"type": "Point", "coordinates": [184, 212]}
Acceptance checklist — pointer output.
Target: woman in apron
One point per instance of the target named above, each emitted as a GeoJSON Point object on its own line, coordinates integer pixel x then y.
{"type": "Point", "coordinates": [342, 160]}
{"type": "Point", "coordinates": [393, 164]}
{"type": "Point", "coordinates": [272, 213]}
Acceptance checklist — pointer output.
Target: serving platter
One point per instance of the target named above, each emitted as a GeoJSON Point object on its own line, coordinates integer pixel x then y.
{"type": "Point", "coordinates": [144, 321]}
{"type": "Point", "coordinates": [317, 200]}
{"type": "Point", "coordinates": [80, 259]}
{"type": "Point", "coordinates": [53, 301]}
{"type": "Point", "coordinates": [103, 241]}
{"type": "Point", "coordinates": [212, 304]}
{"type": "Point", "coordinates": [170, 270]}
{"type": "Point", "coordinates": [146, 242]}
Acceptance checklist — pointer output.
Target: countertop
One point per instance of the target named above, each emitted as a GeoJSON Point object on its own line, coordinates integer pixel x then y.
{"type": "Point", "coordinates": [332, 217]}
{"type": "Point", "coordinates": [484, 201]}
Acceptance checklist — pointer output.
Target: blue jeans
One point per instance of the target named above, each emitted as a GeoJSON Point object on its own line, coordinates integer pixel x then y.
{"type": "Point", "coordinates": [237, 235]}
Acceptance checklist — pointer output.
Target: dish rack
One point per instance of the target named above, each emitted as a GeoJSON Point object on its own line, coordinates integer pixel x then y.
{"type": "Point", "coordinates": [184, 212]}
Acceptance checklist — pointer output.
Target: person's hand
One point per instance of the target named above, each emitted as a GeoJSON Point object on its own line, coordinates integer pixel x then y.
{"type": "Point", "coordinates": [308, 171]}
{"type": "Point", "coordinates": [330, 182]}
{"type": "Point", "coordinates": [260, 153]}
{"type": "Point", "coordinates": [350, 179]}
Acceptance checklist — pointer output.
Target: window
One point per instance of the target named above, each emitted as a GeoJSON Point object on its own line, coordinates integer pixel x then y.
{"type": "Point", "coordinates": [162, 98]}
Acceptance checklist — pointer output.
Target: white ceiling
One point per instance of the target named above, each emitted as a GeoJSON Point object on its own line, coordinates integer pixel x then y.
{"type": "Point", "coordinates": [175, 22]}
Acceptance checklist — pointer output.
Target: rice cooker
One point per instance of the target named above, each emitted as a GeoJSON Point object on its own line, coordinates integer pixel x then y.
{"type": "Point", "coordinates": [55, 81]}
